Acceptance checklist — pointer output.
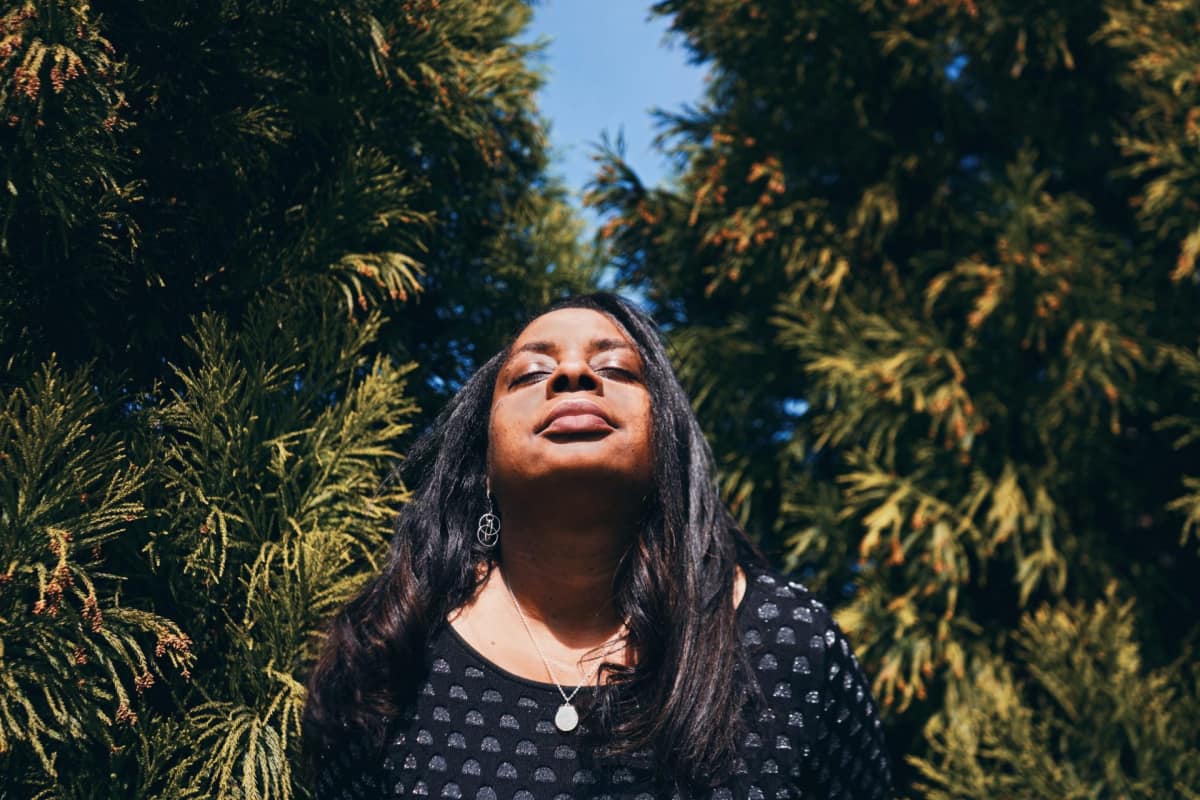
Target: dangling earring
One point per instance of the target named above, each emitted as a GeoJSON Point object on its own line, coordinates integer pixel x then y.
{"type": "Point", "coordinates": [489, 526]}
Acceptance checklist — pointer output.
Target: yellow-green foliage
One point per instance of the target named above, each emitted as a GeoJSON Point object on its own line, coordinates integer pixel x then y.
{"type": "Point", "coordinates": [74, 654]}
{"type": "Point", "coordinates": [1081, 718]}
{"type": "Point", "coordinates": [930, 268]}
{"type": "Point", "coordinates": [276, 506]}
{"type": "Point", "coordinates": [268, 474]}
{"type": "Point", "coordinates": [255, 236]}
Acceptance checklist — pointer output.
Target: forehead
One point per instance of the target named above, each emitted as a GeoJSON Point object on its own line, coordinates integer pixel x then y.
{"type": "Point", "coordinates": [568, 327]}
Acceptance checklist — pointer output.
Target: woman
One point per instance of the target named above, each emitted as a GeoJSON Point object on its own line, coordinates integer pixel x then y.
{"type": "Point", "coordinates": [568, 609]}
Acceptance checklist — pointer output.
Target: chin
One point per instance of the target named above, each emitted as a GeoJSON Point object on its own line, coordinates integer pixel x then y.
{"type": "Point", "coordinates": [577, 467]}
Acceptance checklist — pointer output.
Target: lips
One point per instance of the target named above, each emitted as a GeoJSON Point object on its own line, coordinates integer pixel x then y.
{"type": "Point", "coordinates": [576, 416]}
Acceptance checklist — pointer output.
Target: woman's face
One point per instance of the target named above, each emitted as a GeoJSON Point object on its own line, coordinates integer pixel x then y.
{"type": "Point", "coordinates": [570, 403]}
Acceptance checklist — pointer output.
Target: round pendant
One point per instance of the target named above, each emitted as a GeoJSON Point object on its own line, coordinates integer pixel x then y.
{"type": "Point", "coordinates": [566, 718]}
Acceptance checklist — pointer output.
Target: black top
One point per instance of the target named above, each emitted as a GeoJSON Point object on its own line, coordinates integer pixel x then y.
{"type": "Point", "coordinates": [482, 733]}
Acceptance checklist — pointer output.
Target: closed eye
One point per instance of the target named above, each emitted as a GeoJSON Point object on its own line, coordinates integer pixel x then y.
{"type": "Point", "coordinates": [618, 372]}
{"type": "Point", "coordinates": [529, 377]}
{"type": "Point", "coordinates": [610, 372]}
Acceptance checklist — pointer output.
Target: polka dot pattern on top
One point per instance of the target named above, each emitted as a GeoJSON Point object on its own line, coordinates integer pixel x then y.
{"type": "Point", "coordinates": [480, 733]}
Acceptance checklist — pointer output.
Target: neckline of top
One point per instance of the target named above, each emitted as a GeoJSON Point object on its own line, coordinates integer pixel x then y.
{"type": "Point", "coordinates": [469, 650]}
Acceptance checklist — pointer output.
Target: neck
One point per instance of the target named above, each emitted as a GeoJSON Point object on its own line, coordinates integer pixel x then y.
{"type": "Point", "coordinates": [561, 566]}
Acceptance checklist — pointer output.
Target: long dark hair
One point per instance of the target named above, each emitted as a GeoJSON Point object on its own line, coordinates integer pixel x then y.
{"type": "Point", "coordinates": [675, 588]}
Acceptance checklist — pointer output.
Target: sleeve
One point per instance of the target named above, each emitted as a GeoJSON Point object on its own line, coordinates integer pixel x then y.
{"type": "Point", "coordinates": [847, 759]}
{"type": "Point", "coordinates": [345, 773]}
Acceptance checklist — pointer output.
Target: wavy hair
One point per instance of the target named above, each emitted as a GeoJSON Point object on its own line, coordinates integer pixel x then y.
{"type": "Point", "coordinates": [674, 588]}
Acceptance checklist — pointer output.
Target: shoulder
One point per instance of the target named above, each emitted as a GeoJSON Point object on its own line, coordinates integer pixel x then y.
{"type": "Point", "coordinates": [784, 607]}
{"type": "Point", "coordinates": [785, 631]}
{"type": "Point", "coordinates": [781, 619]}
{"type": "Point", "coordinates": [814, 687]}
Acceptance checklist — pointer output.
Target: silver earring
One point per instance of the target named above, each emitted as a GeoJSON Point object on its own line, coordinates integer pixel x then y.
{"type": "Point", "coordinates": [489, 527]}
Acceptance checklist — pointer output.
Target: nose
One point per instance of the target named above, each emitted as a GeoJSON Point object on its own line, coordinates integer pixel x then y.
{"type": "Point", "coordinates": [574, 375]}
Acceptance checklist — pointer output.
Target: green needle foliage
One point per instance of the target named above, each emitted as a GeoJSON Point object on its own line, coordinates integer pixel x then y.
{"type": "Point", "coordinates": [274, 507]}
{"type": "Point", "coordinates": [1089, 721]}
{"type": "Point", "coordinates": [205, 153]}
{"type": "Point", "coordinates": [931, 273]}
{"type": "Point", "coordinates": [246, 249]}
{"type": "Point", "coordinates": [76, 651]}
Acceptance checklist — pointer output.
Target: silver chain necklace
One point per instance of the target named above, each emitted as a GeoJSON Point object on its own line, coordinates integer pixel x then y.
{"type": "Point", "coordinates": [566, 719]}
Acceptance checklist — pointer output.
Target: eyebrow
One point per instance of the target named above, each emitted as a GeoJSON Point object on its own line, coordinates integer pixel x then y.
{"type": "Point", "coordinates": [599, 345]}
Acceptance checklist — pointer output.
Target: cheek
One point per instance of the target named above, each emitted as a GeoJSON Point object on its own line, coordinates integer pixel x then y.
{"type": "Point", "coordinates": [647, 420]}
{"type": "Point", "coordinates": [502, 432]}
{"type": "Point", "coordinates": [645, 436]}
{"type": "Point", "coordinates": [495, 437]}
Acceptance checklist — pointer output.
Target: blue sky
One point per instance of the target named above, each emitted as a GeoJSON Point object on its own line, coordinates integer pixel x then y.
{"type": "Point", "coordinates": [606, 66]}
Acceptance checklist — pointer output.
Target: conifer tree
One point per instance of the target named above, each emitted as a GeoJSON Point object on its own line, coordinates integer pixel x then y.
{"type": "Point", "coordinates": [930, 269]}
{"type": "Point", "coordinates": [227, 232]}
{"type": "Point", "coordinates": [198, 155]}
{"type": "Point", "coordinates": [75, 655]}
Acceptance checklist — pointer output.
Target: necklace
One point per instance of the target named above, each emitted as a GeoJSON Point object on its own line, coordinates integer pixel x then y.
{"type": "Point", "coordinates": [566, 719]}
